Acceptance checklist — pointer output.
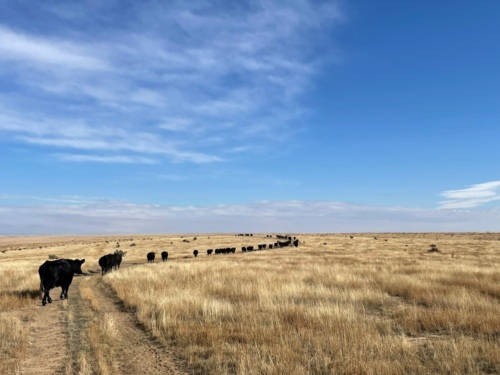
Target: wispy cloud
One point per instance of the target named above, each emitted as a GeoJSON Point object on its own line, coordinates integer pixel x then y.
{"type": "Point", "coordinates": [104, 216]}
{"type": "Point", "coordinates": [163, 77]}
{"type": "Point", "coordinates": [470, 197]}
{"type": "Point", "coordinates": [41, 53]}
{"type": "Point", "coordinates": [120, 159]}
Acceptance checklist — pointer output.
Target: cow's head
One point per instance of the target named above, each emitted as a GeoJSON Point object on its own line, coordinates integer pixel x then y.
{"type": "Point", "coordinates": [76, 265]}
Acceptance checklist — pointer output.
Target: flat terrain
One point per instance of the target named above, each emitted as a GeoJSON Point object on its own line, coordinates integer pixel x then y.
{"type": "Point", "coordinates": [354, 303]}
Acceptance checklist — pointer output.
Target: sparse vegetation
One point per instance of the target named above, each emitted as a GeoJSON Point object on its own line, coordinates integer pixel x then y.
{"type": "Point", "coordinates": [356, 306]}
{"type": "Point", "coordinates": [373, 309]}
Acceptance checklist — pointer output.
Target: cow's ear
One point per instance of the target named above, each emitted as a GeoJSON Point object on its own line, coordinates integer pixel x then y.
{"type": "Point", "coordinates": [82, 261]}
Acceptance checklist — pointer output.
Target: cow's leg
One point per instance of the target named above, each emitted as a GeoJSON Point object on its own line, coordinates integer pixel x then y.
{"type": "Point", "coordinates": [46, 298]}
{"type": "Point", "coordinates": [64, 292]}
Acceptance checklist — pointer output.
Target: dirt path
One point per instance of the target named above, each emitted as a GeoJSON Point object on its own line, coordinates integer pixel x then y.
{"type": "Point", "coordinates": [48, 352]}
{"type": "Point", "coordinates": [91, 333]}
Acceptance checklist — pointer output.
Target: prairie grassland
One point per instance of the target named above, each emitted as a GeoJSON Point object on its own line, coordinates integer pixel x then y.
{"type": "Point", "coordinates": [335, 305]}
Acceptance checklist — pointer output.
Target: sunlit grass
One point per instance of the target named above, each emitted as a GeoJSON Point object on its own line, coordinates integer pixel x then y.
{"type": "Point", "coordinates": [334, 305]}
{"type": "Point", "coordinates": [345, 307]}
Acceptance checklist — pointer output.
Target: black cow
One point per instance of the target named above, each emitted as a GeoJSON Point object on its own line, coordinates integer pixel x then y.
{"type": "Point", "coordinates": [117, 260]}
{"type": "Point", "coordinates": [164, 256]}
{"type": "Point", "coordinates": [210, 251]}
{"type": "Point", "coordinates": [195, 253]}
{"type": "Point", "coordinates": [58, 273]}
{"type": "Point", "coordinates": [151, 257]}
{"type": "Point", "coordinates": [296, 243]}
{"type": "Point", "coordinates": [106, 262]}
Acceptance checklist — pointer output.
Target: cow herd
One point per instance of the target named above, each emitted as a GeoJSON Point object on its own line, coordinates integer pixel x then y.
{"type": "Point", "coordinates": [60, 272]}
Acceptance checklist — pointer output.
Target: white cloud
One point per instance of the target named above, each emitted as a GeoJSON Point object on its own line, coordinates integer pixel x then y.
{"type": "Point", "coordinates": [470, 197]}
{"type": "Point", "coordinates": [81, 136]}
{"type": "Point", "coordinates": [101, 216]}
{"type": "Point", "coordinates": [120, 159]}
{"type": "Point", "coordinates": [192, 68]}
{"type": "Point", "coordinates": [42, 52]}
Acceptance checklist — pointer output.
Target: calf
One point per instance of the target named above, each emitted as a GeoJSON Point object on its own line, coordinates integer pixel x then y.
{"type": "Point", "coordinates": [58, 273]}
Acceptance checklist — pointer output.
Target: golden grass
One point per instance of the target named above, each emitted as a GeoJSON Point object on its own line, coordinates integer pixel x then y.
{"type": "Point", "coordinates": [352, 306]}
{"type": "Point", "coordinates": [335, 305]}
{"type": "Point", "coordinates": [17, 292]}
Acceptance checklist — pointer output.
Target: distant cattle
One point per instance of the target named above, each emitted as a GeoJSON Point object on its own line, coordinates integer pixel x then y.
{"type": "Point", "coordinates": [195, 253]}
{"type": "Point", "coordinates": [58, 273]}
{"type": "Point", "coordinates": [210, 251]}
{"type": "Point", "coordinates": [164, 256]}
{"type": "Point", "coordinates": [226, 250]}
{"type": "Point", "coordinates": [151, 257]}
{"type": "Point", "coordinates": [296, 243]}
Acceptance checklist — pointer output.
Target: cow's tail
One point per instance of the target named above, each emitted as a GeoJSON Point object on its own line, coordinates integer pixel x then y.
{"type": "Point", "coordinates": [42, 289]}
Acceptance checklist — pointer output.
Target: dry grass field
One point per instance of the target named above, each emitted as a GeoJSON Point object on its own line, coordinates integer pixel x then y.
{"type": "Point", "coordinates": [338, 304]}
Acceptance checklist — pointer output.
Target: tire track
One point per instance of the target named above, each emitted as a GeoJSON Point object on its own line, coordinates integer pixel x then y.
{"type": "Point", "coordinates": [48, 351]}
{"type": "Point", "coordinates": [135, 350]}
{"type": "Point", "coordinates": [91, 333]}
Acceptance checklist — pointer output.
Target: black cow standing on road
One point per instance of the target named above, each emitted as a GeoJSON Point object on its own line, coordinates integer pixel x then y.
{"type": "Point", "coordinates": [117, 260]}
{"type": "Point", "coordinates": [58, 273]}
{"type": "Point", "coordinates": [106, 262]}
{"type": "Point", "coordinates": [164, 256]}
{"type": "Point", "coordinates": [151, 257]}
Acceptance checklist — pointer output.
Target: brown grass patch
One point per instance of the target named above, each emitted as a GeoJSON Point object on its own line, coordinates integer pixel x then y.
{"type": "Point", "coordinates": [334, 305]}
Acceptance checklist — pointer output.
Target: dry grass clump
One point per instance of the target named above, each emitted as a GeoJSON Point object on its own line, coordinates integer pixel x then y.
{"type": "Point", "coordinates": [350, 307]}
{"type": "Point", "coordinates": [13, 342]}
{"type": "Point", "coordinates": [17, 285]}
{"type": "Point", "coordinates": [16, 292]}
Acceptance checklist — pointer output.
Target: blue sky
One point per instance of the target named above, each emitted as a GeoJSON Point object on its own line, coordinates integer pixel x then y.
{"type": "Point", "coordinates": [271, 116]}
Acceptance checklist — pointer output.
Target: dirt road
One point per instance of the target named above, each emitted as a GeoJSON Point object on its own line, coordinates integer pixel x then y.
{"type": "Point", "coordinates": [91, 333]}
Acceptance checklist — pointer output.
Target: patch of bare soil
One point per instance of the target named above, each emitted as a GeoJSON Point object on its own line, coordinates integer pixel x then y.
{"type": "Point", "coordinates": [135, 351]}
{"type": "Point", "coordinates": [66, 337]}
{"type": "Point", "coordinates": [48, 352]}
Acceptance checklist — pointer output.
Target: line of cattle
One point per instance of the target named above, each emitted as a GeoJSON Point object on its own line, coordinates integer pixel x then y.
{"type": "Point", "coordinates": [60, 272]}
{"type": "Point", "coordinates": [231, 250]}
